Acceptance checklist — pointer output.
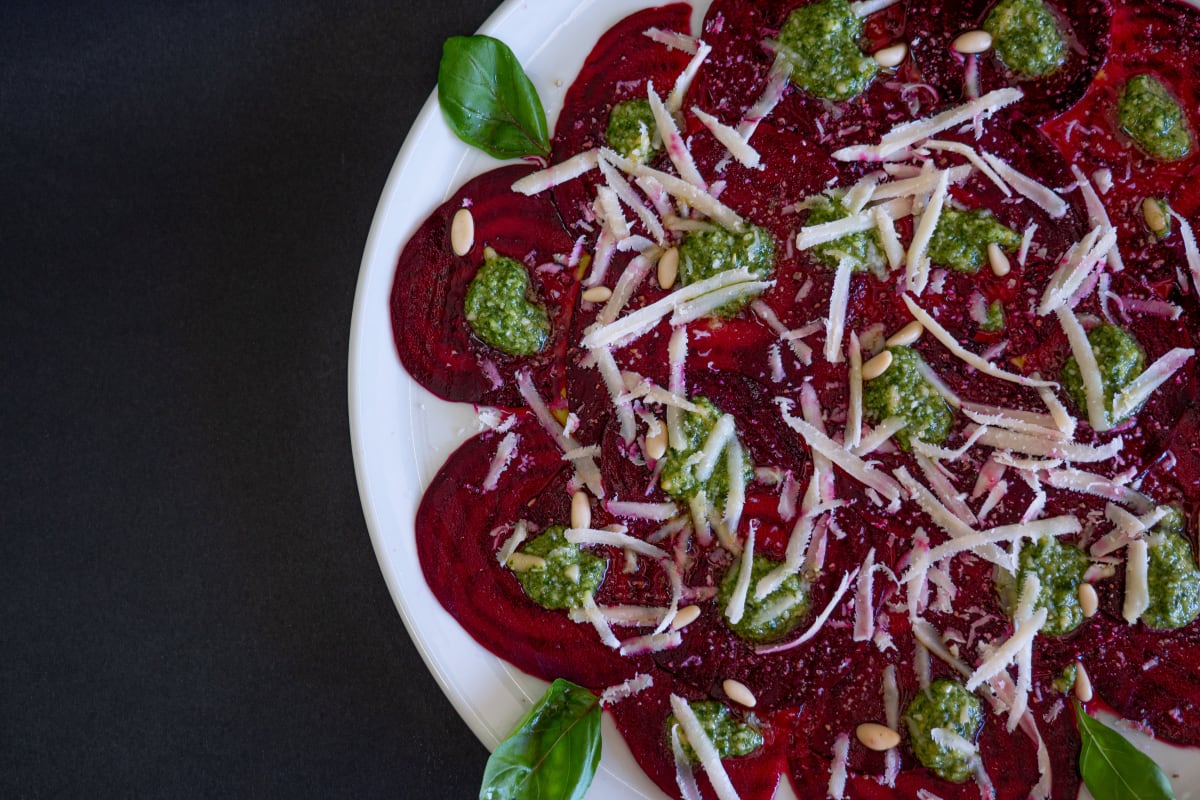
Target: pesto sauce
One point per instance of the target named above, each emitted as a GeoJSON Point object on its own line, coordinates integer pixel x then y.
{"type": "Point", "coordinates": [1173, 577]}
{"type": "Point", "coordinates": [1065, 682]}
{"type": "Point", "coordinates": [1120, 359]}
{"type": "Point", "coordinates": [902, 391]}
{"type": "Point", "coordinates": [709, 252]}
{"type": "Point", "coordinates": [758, 623]}
{"type": "Point", "coordinates": [820, 43]}
{"type": "Point", "coordinates": [1154, 119]}
{"type": "Point", "coordinates": [994, 320]}
{"type": "Point", "coordinates": [499, 310]}
{"type": "Point", "coordinates": [678, 477]}
{"type": "Point", "coordinates": [945, 704]}
{"type": "Point", "coordinates": [550, 586]}
{"type": "Point", "coordinates": [1060, 570]}
{"type": "Point", "coordinates": [961, 238]}
{"type": "Point", "coordinates": [631, 130]}
{"type": "Point", "coordinates": [730, 736]}
{"type": "Point", "coordinates": [863, 248]}
{"type": "Point", "coordinates": [1026, 37]}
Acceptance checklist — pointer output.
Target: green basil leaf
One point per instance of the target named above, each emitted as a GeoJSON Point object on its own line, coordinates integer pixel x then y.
{"type": "Point", "coordinates": [1113, 769]}
{"type": "Point", "coordinates": [553, 753]}
{"type": "Point", "coordinates": [488, 100]}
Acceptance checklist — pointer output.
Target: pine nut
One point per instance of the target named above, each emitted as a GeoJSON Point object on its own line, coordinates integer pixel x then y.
{"type": "Point", "coordinates": [877, 737]}
{"type": "Point", "coordinates": [668, 268]}
{"type": "Point", "coordinates": [891, 56]}
{"type": "Point", "coordinates": [999, 260]}
{"type": "Point", "coordinates": [523, 562]}
{"type": "Point", "coordinates": [907, 335]}
{"type": "Point", "coordinates": [656, 445]}
{"type": "Point", "coordinates": [462, 232]}
{"type": "Point", "coordinates": [1155, 216]}
{"type": "Point", "coordinates": [877, 365]}
{"type": "Point", "coordinates": [684, 617]}
{"type": "Point", "coordinates": [1088, 600]}
{"type": "Point", "coordinates": [597, 294]}
{"type": "Point", "coordinates": [572, 573]}
{"type": "Point", "coordinates": [739, 693]}
{"type": "Point", "coordinates": [1083, 684]}
{"type": "Point", "coordinates": [581, 510]}
{"type": "Point", "coordinates": [973, 42]}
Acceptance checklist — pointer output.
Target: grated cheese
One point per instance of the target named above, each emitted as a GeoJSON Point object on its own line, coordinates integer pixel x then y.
{"type": "Point", "coordinates": [777, 83]}
{"type": "Point", "coordinates": [886, 226]}
{"type": "Point", "coordinates": [673, 39]}
{"type": "Point", "coordinates": [839, 299]}
{"type": "Point", "coordinates": [729, 137]}
{"type": "Point", "coordinates": [655, 512]}
{"type": "Point", "coordinates": [620, 186]}
{"type": "Point", "coordinates": [705, 305]}
{"type": "Point", "coordinates": [611, 374]}
{"type": "Point", "coordinates": [735, 609]}
{"type": "Point", "coordinates": [560, 173]}
{"type": "Point", "coordinates": [1003, 655]}
{"type": "Point", "coordinates": [590, 536]}
{"type": "Point", "coordinates": [837, 769]}
{"type": "Point", "coordinates": [864, 612]}
{"type": "Point", "coordinates": [916, 263]}
{"type": "Point", "coordinates": [1042, 196]}
{"type": "Point", "coordinates": [819, 622]}
{"type": "Point", "coordinates": [684, 777]}
{"type": "Point", "coordinates": [677, 350]}
{"type": "Point", "coordinates": [735, 497]}
{"type": "Point", "coordinates": [676, 148]}
{"type": "Point", "coordinates": [1158, 373]}
{"type": "Point", "coordinates": [631, 278]}
{"type": "Point", "coordinates": [1093, 382]}
{"type": "Point", "coordinates": [880, 434]}
{"type": "Point", "coordinates": [684, 81]}
{"type": "Point", "coordinates": [854, 413]}
{"type": "Point", "coordinates": [969, 153]}
{"type": "Point", "coordinates": [1190, 248]}
{"type": "Point", "coordinates": [812, 235]}
{"type": "Point", "coordinates": [1097, 215]}
{"type": "Point", "coordinates": [851, 464]}
{"type": "Point", "coordinates": [504, 454]}
{"type": "Point", "coordinates": [1137, 586]}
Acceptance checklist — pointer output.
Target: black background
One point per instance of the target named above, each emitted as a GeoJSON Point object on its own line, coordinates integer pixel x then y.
{"type": "Point", "coordinates": [189, 602]}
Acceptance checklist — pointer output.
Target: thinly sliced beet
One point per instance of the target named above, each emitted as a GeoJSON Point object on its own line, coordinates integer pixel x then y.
{"type": "Point", "coordinates": [642, 720]}
{"type": "Point", "coordinates": [932, 28]}
{"type": "Point", "coordinates": [1150, 677]}
{"type": "Point", "coordinates": [460, 526]}
{"type": "Point", "coordinates": [617, 69]}
{"type": "Point", "coordinates": [1159, 39]}
{"type": "Point", "coordinates": [432, 336]}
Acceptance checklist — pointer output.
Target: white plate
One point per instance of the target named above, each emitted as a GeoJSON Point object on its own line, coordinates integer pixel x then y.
{"type": "Point", "coordinates": [401, 434]}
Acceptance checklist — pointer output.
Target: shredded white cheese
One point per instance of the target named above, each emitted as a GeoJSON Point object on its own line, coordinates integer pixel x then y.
{"type": "Point", "coordinates": [704, 749]}
{"type": "Point", "coordinates": [1044, 197]}
{"type": "Point", "coordinates": [730, 138]}
{"type": "Point", "coordinates": [1093, 382]}
{"type": "Point", "coordinates": [1137, 586]}
{"type": "Point", "coordinates": [558, 174]}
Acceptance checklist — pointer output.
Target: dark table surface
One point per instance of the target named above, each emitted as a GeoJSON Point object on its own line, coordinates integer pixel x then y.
{"type": "Point", "coordinates": [190, 603]}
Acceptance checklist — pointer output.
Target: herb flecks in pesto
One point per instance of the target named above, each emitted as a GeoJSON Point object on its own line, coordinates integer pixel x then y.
{"type": "Point", "coordinates": [679, 477]}
{"type": "Point", "coordinates": [773, 617]}
{"type": "Point", "coordinates": [1026, 37]}
{"type": "Point", "coordinates": [961, 238]}
{"type": "Point", "coordinates": [631, 130]}
{"type": "Point", "coordinates": [1173, 577]}
{"type": "Point", "coordinates": [500, 311]}
{"type": "Point", "coordinates": [994, 319]}
{"type": "Point", "coordinates": [945, 705]}
{"type": "Point", "coordinates": [902, 391]}
{"type": "Point", "coordinates": [1154, 119]}
{"type": "Point", "coordinates": [1059, 569]}
{"type": "Point", "coordinates": [730, 736]}
{"type": "Point", "coordinates": [709, 252]}
{"type": "Point", "coordinates": [862, 248]}
{"type": "Point", "coordinates": [569, 576]}
{"type": "Point", "coordinates": [1120, 359]}
{"type": "Point", "coordinates": [820, 43]}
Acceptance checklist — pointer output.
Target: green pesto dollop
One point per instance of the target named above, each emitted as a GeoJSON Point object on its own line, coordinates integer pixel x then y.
{"type": "Point", "coordinates": [773, 617]}
{"type": "Point", "coordinates": [993, 320]}
{"type": "Point", "coordinates": [1059, 569]}
{"type": "Point", "coordinates": [946, 704]}
{"type": "Point", "coordinates": [679, 477]}
{"type": "Point", "coordinates": [555, 584]}
{"type": "Point", "coordinates": [730, 736]}
{"type": "Point", "coordinates": [863, 248]}
{"type": "Point", "coordinates": [961, 238]}
{"type": "Point", "coordinates": [1065, 681]}
{"type": "Point", "coordinates": [705, 253]}
{"type": "Point", "coordinates": [820, 43]}
{"type": "Point", "coordinates": [902, 391]}
{"type": "Point", "coordinates": [631, 130]}
{"type": "Point", "coordinates": [500, 310]}
{"type": "Point", "coordinates": [1026, 37]}
{"type": "Point", "coordinates": [1173, 577]}
{"type": "Point", "coordinates": [1154, 119]}
{"type": "Point", "coordinates": [1120, 359]}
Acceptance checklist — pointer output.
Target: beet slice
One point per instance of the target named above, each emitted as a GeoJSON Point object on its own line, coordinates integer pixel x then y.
{"type": "Point", "coordinates": [736, 75]}
{"type": "Point", "coordinates": [434, 342]}
{"type": "Point", "coordinates": [932, 28]}
{"type": "Point", "coordinates": [459, 528]}
{"type": "Point", "coordinates": [642, 720]}
{"type": "Point", "coordinates": [617, 69]}
{"type": "Point", "coordinates": [1158, 38]}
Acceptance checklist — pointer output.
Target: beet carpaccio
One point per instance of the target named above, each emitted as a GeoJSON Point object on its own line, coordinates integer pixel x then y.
{"type": "Point", "coordinates": [845, 356]}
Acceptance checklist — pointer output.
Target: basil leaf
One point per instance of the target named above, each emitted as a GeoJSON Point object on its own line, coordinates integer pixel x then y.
{"type": "Point", "coordinates": [488, 100]}
{"type": "Point", "coordinates": [1113, 769]}
{"type": "Point", "coordinates": [553, 753]}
